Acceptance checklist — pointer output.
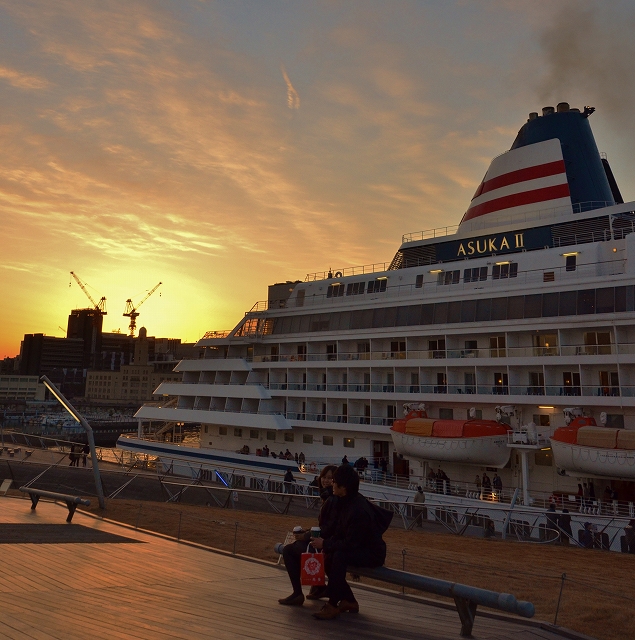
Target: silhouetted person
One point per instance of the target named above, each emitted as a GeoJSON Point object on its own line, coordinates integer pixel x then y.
{"type": "Point", "coordinates": [85, 452]}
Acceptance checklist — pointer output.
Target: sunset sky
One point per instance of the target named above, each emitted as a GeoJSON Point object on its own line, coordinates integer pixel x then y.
{"type": "Point", "coordinates": [220, 147]}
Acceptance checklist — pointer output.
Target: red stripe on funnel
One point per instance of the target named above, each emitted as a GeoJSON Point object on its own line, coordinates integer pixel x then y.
{"type": "Point", "coordinates": [517, 200]}
{"type": "Point", "coordinates": [522, 175]}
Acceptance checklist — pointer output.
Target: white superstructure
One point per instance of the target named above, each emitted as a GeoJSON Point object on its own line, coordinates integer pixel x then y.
{"type": "Point", "coordinates": [528, 305]}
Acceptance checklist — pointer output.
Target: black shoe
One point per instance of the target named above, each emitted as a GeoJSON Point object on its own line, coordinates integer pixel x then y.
{"type": "Point", "coordinates": [294, 600]}
{"type": "Point", "coordinates": [316, 593]}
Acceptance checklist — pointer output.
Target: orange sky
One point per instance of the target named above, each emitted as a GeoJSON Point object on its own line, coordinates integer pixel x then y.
{"type": "Point", "coordinates": [221, 147]}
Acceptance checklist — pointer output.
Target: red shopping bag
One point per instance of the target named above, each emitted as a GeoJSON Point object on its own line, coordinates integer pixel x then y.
{"type": "Point", "coordinates": [312, 569]}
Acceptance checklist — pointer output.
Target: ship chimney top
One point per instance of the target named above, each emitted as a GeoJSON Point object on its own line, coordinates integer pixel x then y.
{"type": "Point", "coordinates": [562, 107]}
{"type": "Point", "coordinates": [533, 115]}
{"type": "Point", "coordinates": [547, 111]}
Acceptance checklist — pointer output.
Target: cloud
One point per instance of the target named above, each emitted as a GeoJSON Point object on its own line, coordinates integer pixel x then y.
{"type": "Point", "coordinates": [293, 99]}
{"type": "Point", "coordinates": [22, 80]}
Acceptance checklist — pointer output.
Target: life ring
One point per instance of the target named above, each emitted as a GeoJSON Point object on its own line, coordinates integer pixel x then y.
{"type": "Point", "coordinates": [338, 274]}
{"type": "Point", "coordinates": [312, 467]}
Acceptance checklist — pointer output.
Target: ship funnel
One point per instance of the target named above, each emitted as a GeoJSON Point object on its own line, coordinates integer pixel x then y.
{"type": "Point", "coordinates": [533, 115]}
{"type": "Point", "coordinates": [547, 111]}
{"type": "Point", "coordinates": [562, 107]}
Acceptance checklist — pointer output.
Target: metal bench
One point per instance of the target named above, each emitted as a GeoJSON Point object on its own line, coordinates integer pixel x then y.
{"type": "Point", "coordinates": [71, 501]}
{"type": "Point", "coordinates": [465, 597]}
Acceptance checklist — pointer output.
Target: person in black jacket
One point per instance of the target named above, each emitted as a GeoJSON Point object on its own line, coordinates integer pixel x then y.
{"type": "Point", "coordinates": [357, 541]}
{"type": "Point", "coordinates": [292, 553]}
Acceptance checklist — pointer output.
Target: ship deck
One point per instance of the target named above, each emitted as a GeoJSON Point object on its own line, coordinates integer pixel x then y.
{"type": "Point", "coordinates": [97, 579]}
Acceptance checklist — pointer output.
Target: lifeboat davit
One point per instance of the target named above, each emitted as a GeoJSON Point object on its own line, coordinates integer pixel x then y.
{"type": "Point", "coordinates": [586, 449]}
{"type": "Point", "coordinates": [477, 442]}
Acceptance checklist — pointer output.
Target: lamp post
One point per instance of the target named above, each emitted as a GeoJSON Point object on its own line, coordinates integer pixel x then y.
{"type": "Point", "coordinates": [89, 432]}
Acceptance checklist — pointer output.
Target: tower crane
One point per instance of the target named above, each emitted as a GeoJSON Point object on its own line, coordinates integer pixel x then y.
{"type": "Point", "coordinates": [131, 310]}
{"type": "Point", "coordinates": [100, 306]}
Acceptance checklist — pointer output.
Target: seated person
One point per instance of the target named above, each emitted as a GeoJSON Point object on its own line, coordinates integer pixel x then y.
{"type": "Point", "coordinates": [357, 541]}
{"type": "Point", "coordinates": [292, 552]}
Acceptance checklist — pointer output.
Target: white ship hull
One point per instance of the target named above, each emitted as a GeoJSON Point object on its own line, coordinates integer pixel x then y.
{"type": "Point", "coordinates": [488, 451]}
{"type": "Point", "coordinates": [592, 461]}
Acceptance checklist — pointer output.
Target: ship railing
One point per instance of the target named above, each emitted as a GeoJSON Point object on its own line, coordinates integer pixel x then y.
{"type": "Point", "coordinates": [491, 389]}
{"type": "Point", "coordinates": [454, 353]}
{"type": "Point", "coordinates": [344, 272]}
{"type": "Point", "coordinates": [439, 232]}
{"type": "Point", "coordinates": [531, 277]}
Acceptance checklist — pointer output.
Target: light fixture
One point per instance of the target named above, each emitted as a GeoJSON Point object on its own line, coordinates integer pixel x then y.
{"type": "Point", "coordinates": [435, 271]}
{"type": "Point", "coordinates": [614, 250]}
{"type": "Point", "coordinates": [382, 278]}
{"type": "Point", "coordinates": [572, 253]}
{"type": "Point", "coordinates": [59, 396]}
{"type": "Point", "coordinates": [544, 406]}
{"type": "Point", "coordinates": [500, 263]}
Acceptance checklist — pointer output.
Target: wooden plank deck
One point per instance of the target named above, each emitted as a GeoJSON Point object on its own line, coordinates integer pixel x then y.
{"type": "Point", "coordinates": [163, 590]}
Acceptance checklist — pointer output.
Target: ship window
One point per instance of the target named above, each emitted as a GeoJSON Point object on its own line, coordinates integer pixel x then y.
{"type": "Point", "coordinates": [254, 434]}
{"type": "Point", "coordinates": [586, 301]}
{"type": "Point", "coordinates": [499, 309]}
{"type": "Point", "coordinates": [440, 313]}
{"type": "Point", "coordinates": [570, 263]}
{"type": "Point", "coordinates": [378, 285]}
{"type": "Point", "coordinates": [549, 305]}
{"type": "Point", "coordinates": [515, 307]}
{"type": "Point", "coordinates": [307, 438]}
{"type": "Point", "coordinates": [604, 300]}
{"type": "Point", "coordinates": [454, 311]}
{"type": "Point", "coordinates": [271, 435]}
{"type": "Point", "coordinates": [222, 431]}
{"type": "Point", "coordinates": [419, 281]}
{"type": "Point", "coordinates": [355, 288]}
{"type": "Point", "coordinates": [568, 303]}
{"type": "Point", "coordinates": [544, 458]}
{"type": "Point", "coordinates": [327, 441]}
{"type": "Point", "coordinates": [349, 443]}
{"type": "Point", "coordinates": [299, 301]}
{"type": "Point", "coordinates": [205, 428]}
{"type": "Point", "coordinates": [502, 271]}
{"type": "Point", "coordinates": [468, 310]}
{"type": "Point", "coordinates": [238, 433]}
{"type": "Point", "coordinates": [288, 436]}
{"type": "Point", "coordinates": [449, 277]}
{"type": "Point", "coordinates": [335, 290]}
{"type": "Point", "coordinates": [615, 420]}
{"type": "Point", "coordinates": [475, 275]}
{"type": "Point", "coordinates": [446, 414]}
{"type": "Point", "coordinates": [542, 420]}
{"type": "Point", "coordinates": [597, 343]}
{"type": "Point", "coordinates": [437, 348]}
{"type": "Point", "coordinates": [497, 347]}
{"type": "Point", "coordinates": [533, 306]}
{"type": "Point", "coordinates": [483, 308]}
{"type": "Point", "coordinates": [478, 414]}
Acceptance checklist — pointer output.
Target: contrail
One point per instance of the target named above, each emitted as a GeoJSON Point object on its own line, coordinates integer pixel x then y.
{"type": "Point", "coordinates": [293, 99]}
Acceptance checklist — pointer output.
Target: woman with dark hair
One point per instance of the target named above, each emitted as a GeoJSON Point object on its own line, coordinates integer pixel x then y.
{"type": "Point", "coordinates": [357, 541]}
{"type": "Point", "coordinates": [292, 553]}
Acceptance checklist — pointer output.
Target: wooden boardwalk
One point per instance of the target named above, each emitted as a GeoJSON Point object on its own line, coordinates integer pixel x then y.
{"type": "Point", "coordinates": [100, 585]}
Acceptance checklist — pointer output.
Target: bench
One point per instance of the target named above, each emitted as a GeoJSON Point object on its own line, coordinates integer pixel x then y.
{"type": "Point", "coordinates": [71, 501]}
{"type": "Point", "coordinates": [465, 597]}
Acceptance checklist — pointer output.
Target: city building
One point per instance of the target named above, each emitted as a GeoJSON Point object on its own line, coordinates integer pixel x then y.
{"type": "Point", "coordinates": [16, 387]}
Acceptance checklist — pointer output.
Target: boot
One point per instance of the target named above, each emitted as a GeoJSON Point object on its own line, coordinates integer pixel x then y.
{"type": "Point", "coordinates": [294, 600]}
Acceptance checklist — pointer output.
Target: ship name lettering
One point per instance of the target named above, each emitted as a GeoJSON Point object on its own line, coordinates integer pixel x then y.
{"type": "Point", "coordinates": [492, 246]}
{"type": "Point", "coordinates": [461, 250]}
{"type": "Point", "coordinates": [478, 246]}
{"type": "Point", "coordinates": [519, 240]}
{"type": "Point", "coordinates": [504, 243]}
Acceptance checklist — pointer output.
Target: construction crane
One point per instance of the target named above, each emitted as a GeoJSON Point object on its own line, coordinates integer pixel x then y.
{"type": "Point", "coordinates": [99, 311]}
{"type": "Point", "coordinates": [131, 310]}
{"type": "Point", "coordinates": [100, 306]}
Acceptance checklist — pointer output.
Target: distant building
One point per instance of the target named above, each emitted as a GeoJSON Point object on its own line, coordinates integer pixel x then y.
{"type": "Point", "coordinates": [136, 382]}
{"type": "Point", "coordinates": [87, 325]}
{"type": "Point", "coordinates": [16, 387]}
{"type": "Point", "coordinates": [40, 354]}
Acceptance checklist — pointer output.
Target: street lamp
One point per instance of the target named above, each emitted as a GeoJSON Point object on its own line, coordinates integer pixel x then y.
{"type": "Point", "coordinates": [89, 432]}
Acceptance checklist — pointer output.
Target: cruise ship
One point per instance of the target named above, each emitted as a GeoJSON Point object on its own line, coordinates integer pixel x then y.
{"type": "Point", "coordinates": [503, 345]}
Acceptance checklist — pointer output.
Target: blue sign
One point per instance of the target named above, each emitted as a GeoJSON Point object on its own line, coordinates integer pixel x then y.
{"type": "Point", "coordinates": [496, 244]}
